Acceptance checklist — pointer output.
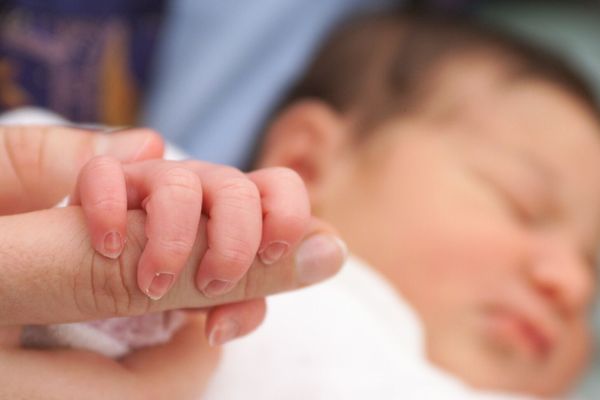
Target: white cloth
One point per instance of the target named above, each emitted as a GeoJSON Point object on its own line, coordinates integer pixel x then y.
{"type": "Point", "coordinates": [351, 337]}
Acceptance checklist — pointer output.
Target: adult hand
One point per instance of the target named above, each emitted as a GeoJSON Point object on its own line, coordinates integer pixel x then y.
{"type": "Point", "coordinates": [39, 165]}
{"type": "Point", "coordinates": [52, 275]}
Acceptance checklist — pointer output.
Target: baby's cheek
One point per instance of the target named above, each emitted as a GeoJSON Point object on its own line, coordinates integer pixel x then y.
{"type": "Point", "coordinates": [463, 262]}
{"type": "Point", "coordinates": [578, 342]}
{"type": "Point", "coordinates": [571, 360]}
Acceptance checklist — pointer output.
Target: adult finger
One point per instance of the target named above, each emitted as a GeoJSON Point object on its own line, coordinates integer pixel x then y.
{"type": "Point", "coordinates": [72, 374]}
{"type": "Point", "coordinates": [53, 275]}
{"type": "Point", "coordinates": [189, 349]}
{"type": "Point", "coordinates": [231, 321]}
{"type": "Point", "coordinates": [39, 164]}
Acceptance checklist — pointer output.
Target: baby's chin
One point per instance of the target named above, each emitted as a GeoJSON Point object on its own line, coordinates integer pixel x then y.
{"type": "Point", "coordinates": [491, 368]}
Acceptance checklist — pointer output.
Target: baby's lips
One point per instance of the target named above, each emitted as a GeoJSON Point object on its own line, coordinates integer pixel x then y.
{"type": "Point", "coordinates": [319, 257]}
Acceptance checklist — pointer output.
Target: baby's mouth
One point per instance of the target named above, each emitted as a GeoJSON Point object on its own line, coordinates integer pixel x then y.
{"type": "Point", "coordinates": [525, 335]}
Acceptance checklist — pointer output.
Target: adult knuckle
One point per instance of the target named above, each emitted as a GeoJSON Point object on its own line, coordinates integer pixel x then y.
{"type": "Point", "coordinates": [102, 288]}
{"type": "Point", "coordinates": [252, 284]}
{"type": "Point", "coordinates": [23, 147]}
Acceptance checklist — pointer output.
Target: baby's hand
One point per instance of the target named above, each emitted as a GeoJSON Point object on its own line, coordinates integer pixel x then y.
{"type": "Point", "coordinates": [264, 212]}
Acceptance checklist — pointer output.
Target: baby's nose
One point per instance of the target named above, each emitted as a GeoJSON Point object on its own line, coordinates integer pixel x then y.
{"type": "Point", "coordinates": [561, 274]}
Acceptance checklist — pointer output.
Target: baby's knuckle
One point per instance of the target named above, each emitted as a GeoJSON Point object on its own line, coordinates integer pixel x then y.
{"type": "Point", "coordinates": [293, 220]}
{"type": "Point", "coordinates": [226, 170]}
{"type": "Point", "coordinates": [279, 174]}
{"type": "Point", "coordinates": [102, 161]}
{"type": "Point", "coordinates": [176, 248]}
{"type": "Point", "coordinates": [106, 203]}
{"type": "Point", "coordinates": [100, 166]}
{"type": "Point", "coordinates": [239, 190]}
{"type": "Point", "coordinates": [180, 177]}
{"type": "Point", "coordinates": [237, 253]}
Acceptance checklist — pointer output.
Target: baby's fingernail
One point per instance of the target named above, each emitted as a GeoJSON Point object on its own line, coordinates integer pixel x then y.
{"type": "Point", "coordinates": [273, 252]}
{"type": "Point", "coordinates": [160, 285]}
{"type": "Point", "coordinates": [217, 288]}
{"type": "Point", "coordinates": [113, 245]}
{"type": "Point", "coordinates": [320, 257]}
{"type": "Point", "coordinates": [223, 332]}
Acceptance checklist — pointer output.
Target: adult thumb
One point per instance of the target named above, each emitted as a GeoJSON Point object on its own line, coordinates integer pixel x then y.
{"type": "Point", "coordinates": [39, 164]}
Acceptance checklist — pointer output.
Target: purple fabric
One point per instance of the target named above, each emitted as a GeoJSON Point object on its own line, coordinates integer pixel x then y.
{"type": "Point", "coordinates": [143, 331]}
{"type": "Point", "coordinates": [54, 51]}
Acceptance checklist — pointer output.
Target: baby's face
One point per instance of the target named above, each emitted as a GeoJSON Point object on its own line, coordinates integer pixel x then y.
{"type": "Point", "coordinates": [486, 217]}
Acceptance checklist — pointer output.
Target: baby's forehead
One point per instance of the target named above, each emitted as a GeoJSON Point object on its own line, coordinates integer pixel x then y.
{"type": "Point", "coordinates": [539, 123]}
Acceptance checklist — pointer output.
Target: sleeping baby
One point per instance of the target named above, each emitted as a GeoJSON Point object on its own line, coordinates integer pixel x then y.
{"type": "Point", "coordinates": [462, 167]}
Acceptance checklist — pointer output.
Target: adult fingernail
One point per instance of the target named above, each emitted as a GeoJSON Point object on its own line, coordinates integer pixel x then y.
{"type": "Point", "coordinates": [320, 257]}
{"type": "Point", "coordinates": [113, 245]}
{"type": "Point", "coordinates": [123, 146]}
{"type": "Point", "coordinates": [160, 285]}
{"type": "Point", "coordinates": [223, 332]}
{"type": "Point", "coordinates": [273, 252]}
{"type": "Point", "coordinates": [217, 287]}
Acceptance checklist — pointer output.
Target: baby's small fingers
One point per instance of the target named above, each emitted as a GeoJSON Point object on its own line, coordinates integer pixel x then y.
{"type": "Point", "coordinates": [103, 196]}
{"type": "Point", "coordinates": [234, 228]}
{"type": "Point", "coordinates": [286, 211]}
{"type": "Point", "coordinates": [172, 198]}
{"type": "Point", "coordinates": [232, 321]}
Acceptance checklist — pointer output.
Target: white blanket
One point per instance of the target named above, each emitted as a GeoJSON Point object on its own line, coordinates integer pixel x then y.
{"type": "Point", "coordinates": [351, 337]}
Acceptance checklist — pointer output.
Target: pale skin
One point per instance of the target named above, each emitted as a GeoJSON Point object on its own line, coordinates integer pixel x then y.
{"type": "Point", "coordinates": [483, 212]}
{"type": "Point", "coordinates": [52, 274]}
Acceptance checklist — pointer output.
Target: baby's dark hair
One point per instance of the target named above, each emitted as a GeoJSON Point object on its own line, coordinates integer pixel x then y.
{"type": "Point", "coordinates": [381, 65]}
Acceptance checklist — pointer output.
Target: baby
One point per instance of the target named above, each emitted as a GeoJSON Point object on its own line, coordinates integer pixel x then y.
{"type": "Point", "coordinates": [463, 168]}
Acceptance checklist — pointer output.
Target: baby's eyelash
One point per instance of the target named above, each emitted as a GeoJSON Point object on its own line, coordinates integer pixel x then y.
{"type": "Point", "coordinates": [521, 211]}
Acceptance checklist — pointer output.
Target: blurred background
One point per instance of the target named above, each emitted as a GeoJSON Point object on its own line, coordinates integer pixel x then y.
{"type": "Point", "coordinates": [208, 73]}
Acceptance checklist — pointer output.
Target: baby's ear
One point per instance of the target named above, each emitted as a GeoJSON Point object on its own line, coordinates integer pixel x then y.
{"type": "Point", "coordinates": [308, 137]}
